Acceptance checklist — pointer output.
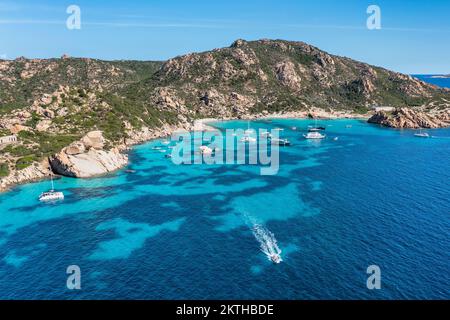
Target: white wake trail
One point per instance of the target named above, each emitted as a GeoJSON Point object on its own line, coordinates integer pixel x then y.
{"type": "Point", "coordinates": [267, 241]}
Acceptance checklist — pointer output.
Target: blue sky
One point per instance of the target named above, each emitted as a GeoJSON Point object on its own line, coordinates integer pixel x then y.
{"type": "Point", "coordinates": [415, 35]}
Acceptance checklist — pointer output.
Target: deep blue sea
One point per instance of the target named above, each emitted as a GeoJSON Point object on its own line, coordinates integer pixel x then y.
{"type": "Point", "coordinates": [441, 82]}
{"type": "Point", "coordinates": [376, 196]}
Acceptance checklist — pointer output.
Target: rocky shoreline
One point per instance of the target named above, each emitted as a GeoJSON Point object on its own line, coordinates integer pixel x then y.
{"type": "Point", "coordinates": [87, 158]}
{"type": "Point", "coordinates": [405, 118]}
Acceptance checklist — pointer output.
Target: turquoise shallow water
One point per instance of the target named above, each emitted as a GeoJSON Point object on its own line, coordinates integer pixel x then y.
{"type": "Point", "coordinates": [375, 196]}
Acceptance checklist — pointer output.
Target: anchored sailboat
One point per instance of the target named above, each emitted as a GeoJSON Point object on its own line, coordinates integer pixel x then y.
{"type": "Point", "coordinates": [422, 134]}
{"type": "Point", "coordinates": [247, 134]}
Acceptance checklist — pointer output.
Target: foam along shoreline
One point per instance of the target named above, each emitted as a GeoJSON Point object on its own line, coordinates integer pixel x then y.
{"type": "Point", "coordinates": [77, 162]}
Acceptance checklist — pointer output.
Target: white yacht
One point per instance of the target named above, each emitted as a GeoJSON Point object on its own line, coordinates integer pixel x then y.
{"type": "Point", "coordinates": [314, 135]}
{"type": "Point", "coordinates": [51, 195]}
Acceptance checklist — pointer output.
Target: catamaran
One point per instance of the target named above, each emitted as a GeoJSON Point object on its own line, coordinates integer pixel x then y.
{"type": "Point", "coordinates": [51, 195]}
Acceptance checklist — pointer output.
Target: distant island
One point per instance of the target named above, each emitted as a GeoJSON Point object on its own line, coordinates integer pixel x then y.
{"type": "Point", "coordinates": [441, 76]}
{"type": "Point", "coordinates": [75, 116]}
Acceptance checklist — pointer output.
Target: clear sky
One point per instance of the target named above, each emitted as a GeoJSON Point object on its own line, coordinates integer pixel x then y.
{"type": "Point", "coordinates": [415, 35]}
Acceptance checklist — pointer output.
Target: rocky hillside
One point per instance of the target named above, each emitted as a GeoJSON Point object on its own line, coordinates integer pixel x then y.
{"type": "Point", "coordinates": [273, 76]}
{"type": "Point", "coordinates": [50, 104]}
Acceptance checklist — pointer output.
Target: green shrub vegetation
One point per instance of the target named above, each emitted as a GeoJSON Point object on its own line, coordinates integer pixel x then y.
{"type": "Point", "coordinates": [4, 170]}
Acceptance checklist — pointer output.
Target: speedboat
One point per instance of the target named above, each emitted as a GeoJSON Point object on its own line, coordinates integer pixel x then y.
{"type": "Point", "coordinates": [275, 258]}
{"type": "Point", "coordinates": [314, 135]}
{"type": "Point", "coordinates": [51, 195]}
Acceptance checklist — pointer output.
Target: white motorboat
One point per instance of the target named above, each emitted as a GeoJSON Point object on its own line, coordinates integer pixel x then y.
{"type": "Point", "coordinates": [314, 135]}
{"type": "Point", "coordinates": [51, 195]}
{"type": "Point", "coordinates": [276, 258]}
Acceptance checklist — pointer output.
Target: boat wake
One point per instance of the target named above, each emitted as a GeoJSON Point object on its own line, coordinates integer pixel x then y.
{"type": "Point", "coordinates": [268, 243]}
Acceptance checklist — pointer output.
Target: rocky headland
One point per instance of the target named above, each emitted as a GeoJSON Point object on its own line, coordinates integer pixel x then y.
{"type": "Point", "coordinates": [413, 119]}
